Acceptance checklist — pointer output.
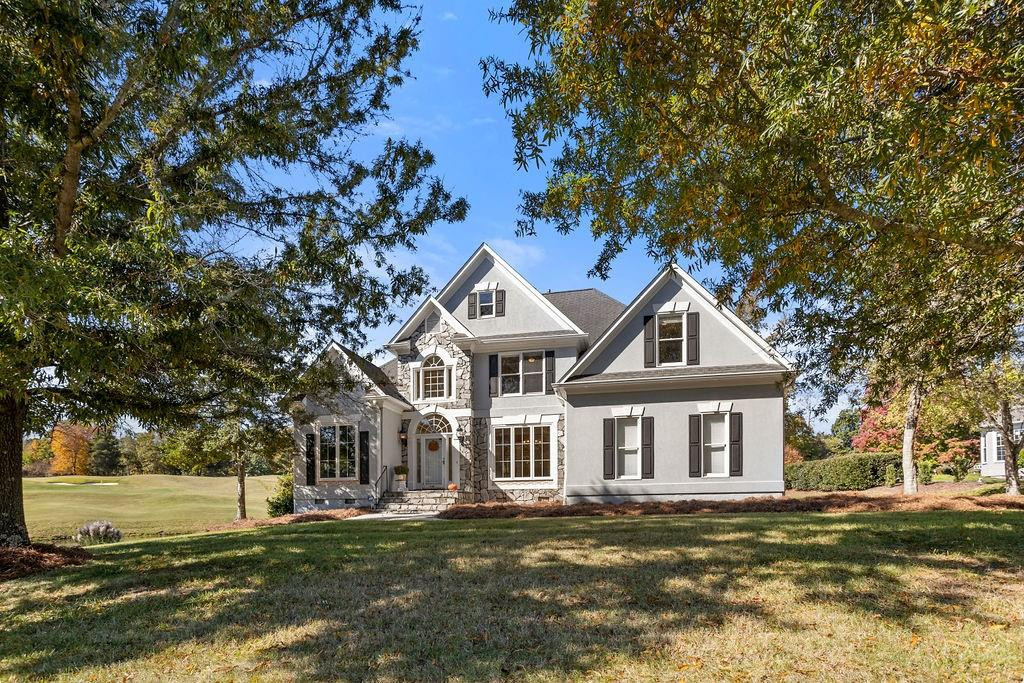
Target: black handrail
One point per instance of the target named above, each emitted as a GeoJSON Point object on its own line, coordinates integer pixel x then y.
{"type": "Point", "coordinates": [377, 492]}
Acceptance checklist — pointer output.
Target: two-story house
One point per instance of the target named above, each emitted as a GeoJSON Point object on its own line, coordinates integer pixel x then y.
{"type": "Point", "coordinates": [500, 392]}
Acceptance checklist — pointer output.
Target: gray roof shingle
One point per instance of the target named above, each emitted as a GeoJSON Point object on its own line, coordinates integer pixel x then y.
{"type": "Point", "coordinates": [591, 309]}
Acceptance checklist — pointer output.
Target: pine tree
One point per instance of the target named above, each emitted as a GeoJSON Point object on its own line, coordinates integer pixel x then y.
{"type": "Point", "coordinates": [106, 455]}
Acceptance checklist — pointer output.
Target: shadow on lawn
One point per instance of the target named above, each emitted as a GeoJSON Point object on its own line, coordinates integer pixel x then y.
{"type": "Point", "coordinates": [484, 599]}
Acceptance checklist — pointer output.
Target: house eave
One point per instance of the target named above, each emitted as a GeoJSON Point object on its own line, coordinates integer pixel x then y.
{"type": "Point", "coordinates": [597, 385]}
{"type": "Point", "coordinates": [520, 343]}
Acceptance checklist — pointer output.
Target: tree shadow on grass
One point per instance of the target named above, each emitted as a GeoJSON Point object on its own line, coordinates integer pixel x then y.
{"type": "Point", "coordinates": [484, 600]}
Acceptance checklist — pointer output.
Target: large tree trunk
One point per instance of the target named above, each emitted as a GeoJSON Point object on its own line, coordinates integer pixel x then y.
{"type": "Point", "coordinates": [240, 488]}
{"type": "Point", "coordinates": [1012, 443]}
{"type": "Point", "coordinates": [13, 531]}
{"type": "Point", "coordinates": [909, 432]}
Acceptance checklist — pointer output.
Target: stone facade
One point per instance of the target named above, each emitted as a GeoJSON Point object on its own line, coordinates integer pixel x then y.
{"type": "Point", "coordinates": [485, 490]}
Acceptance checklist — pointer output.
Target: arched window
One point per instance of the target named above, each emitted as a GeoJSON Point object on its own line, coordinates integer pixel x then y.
{"type": "Point", "coordinates": [434, 424]}
{"type": "Point", "coordinates": [433, 380]}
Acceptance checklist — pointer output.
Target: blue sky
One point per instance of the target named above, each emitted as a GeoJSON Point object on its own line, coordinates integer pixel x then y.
{"type": "Point", "coordinates": [444, 106]}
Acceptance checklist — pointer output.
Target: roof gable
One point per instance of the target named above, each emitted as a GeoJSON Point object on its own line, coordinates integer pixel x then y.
{"type": "Point", "coordinates": [735, 343]}
{"type": "Point", "coordinates": [430, 305]}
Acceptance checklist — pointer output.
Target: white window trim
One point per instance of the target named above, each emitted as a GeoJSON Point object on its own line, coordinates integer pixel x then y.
{"type": "Point", "coordinates": [671, 307]}
{"type": "Point", "coordinates": [480, 304]}
{"type": "Point", "coordinates": [628, 411]}
{"type": "Point", "coordinates": [485, 286]}
{"type": "Point", "coordinates": [511, 424]}
{"type": "Point", "coordinates": [728, 440]}
{"type": "Point", "coordinates": [1000, 446]}
{"type": "Point", "coordinates": [657, 338]}
{"type": "Point", "coordinates": [638, 448]}
{"type": "Point", "coordinates": [522, 374]}
{"type": "Point", "coordinates": [336, 422]}
{"type": "Point", "coordinates": [415, 373]}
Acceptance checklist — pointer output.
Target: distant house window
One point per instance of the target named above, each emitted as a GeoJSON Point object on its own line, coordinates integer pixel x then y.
{"type": "Point", "coordinates": [627, 448]}
{"type": "Point", "coordinates": [337, 452]}
{"type": "Point", "coordinates": [432, 380]}
{"type": "Point", "coordinates": [522, 373]}
{"type": "Point", "coordinates": [485, 301]}
{"type": "Point", "coordinates": [1000, 448]}
{"type": "Point", "coordinates": [671, 338]}
{"type": "Point", "coordinates": [716, 444]}
{"type": "Point", "coordinates": [522, 452]}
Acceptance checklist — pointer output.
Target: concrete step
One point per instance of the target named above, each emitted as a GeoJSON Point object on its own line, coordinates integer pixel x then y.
{"type": "Point", "coordinates": [417, 501]}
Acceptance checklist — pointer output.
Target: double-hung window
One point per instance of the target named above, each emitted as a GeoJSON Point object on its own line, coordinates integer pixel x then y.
{"type": "Point", "coordinates": [1000, 448]}
{"type": "Point", "coordinates": [671, 338]}
{"type": "Point", "coordinates": [716, 444]}
{"type": "Point", "coordinates": [522, 373]}
{"type": "Point", "coordinates": [432, 380]}
{"type": "Point", "coordinates": [485, 302]}
{"type": "Point", "coordinates": [337, 452]}
{"type": "Point", "coordinates": [627, 447]}
{"type": "Point", "coordinates": [522, 452]}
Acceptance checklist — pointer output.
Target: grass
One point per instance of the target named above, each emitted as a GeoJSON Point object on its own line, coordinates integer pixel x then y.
{"type": "Point", "coordinates": [140, 506]}
{"type": "Point", "coordinates": [859, 597]}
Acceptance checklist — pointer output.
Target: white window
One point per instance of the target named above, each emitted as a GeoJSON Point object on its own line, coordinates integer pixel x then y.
{"type": "Point", "coordinates": [522, 373]}
{"type": "Point", "coordinates": [485, 301]}
{"type": "Point", "coordinates": [984, 447]}
{"type": "Point", "coordinates": [337, 452]}
{"type": "Point", "coordinates": [432, 380]}
{"type": "Point", "coordinates": [716, 444]}
{"type": "Point", "coordinates": [1000, 448]}
{"type": "Point", "coordinates": [671, 338]}
{"type": "Point", "coordinates": [627, 447]}
{"type": "Point", "coordinates": [522, 452]}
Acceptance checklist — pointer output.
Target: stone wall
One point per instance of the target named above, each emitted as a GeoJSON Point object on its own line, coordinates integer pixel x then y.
{"type": "Point", "coordinates": [422, 343]}
{"type": "Point", "coordinates": [485, 490]}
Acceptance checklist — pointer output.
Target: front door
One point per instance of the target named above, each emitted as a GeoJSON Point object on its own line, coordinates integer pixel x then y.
{"type": "Point", "coordinates": [433, 451]}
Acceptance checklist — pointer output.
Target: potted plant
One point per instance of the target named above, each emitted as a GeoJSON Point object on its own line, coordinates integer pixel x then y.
{"type": "Point", "coordinates": [452, 486]}
{"type": "Point", "coordinates": [401, 475]}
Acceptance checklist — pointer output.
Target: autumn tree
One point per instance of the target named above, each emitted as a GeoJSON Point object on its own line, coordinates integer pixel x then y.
{"type": "Point", "coordinates": [855, 166]}
{"type": "Point", "coordinates": [192, 204]}
{"type": "Point", "coordinates": [71, 444]}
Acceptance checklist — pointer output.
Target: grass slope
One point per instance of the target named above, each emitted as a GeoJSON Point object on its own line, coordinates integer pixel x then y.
{"type": "Point", "coordinates": [863, 597]}
{"type": "Point", "coordinates": [141, 505]}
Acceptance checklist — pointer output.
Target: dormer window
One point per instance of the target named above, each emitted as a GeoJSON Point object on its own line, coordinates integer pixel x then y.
{"type": "Point", "coordinates": [486, 302]}
{"type": "Point", "coordinates": [672, 336]}
{"type": "Point", "coordinates": [432, 381]}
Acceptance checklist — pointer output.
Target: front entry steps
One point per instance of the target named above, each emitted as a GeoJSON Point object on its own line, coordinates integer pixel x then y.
{"type": "Point", "coordinates": [412, 502]}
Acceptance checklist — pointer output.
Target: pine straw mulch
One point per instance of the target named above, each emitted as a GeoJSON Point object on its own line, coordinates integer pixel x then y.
{"type": "Point", "coordinates": [318, 516]}
{"type": "Point", "coordinates": [826, 502]}
{"type": "Point", "coordinates": [40, 557]}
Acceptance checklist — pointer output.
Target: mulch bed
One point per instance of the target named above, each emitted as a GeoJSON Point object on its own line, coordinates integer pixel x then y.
{"type": "Point", "coordinates": [41, 557]}
{"type": "Point", "coordinates": [831, 502]}
{"type": "Point", "coordinates": [318, 516]}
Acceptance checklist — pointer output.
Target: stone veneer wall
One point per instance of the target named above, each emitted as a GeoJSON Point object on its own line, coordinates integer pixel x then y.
{"type": "Point", "coordinates": [484, 489]}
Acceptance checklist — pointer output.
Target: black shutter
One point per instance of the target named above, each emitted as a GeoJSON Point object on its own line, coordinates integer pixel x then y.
{"type": "Point", "coordinates": [492, 374]}
{"type": "Point", "coordinates": [609, 448]}
{"type": "Point", "coordinates": [499, 303]}
{"type": "Point", "coordinates": [735, 444]}
{"type": "Point", "coordinates": [695, 468]}
{"type": "Point", "coordinates": [647, 448]}
{"type": "Point", "coordinates": [549, 372]}
{"type": "Point", "coordinates": [472, 305]}
{"type": "Point", "coordinates": [693, 338]}
{"type": "Point", "coordinates": [364, 457]}
{"type": "Point", "coordinates": [650, 350]}
{"type": "Point", "coordinates": [310, 459]}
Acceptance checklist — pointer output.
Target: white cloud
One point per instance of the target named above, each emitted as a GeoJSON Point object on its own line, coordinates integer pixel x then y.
{"type": "Point", "coordinates": [449, 16]}
{"type": "Point", "coordinates": [442, 72]}
{"type": "Point", "coordinates": [520, 253]}
{"type": "Point", "coordinates": [416, 126]}
{"type": "Point", "coordinates": [482, 121]}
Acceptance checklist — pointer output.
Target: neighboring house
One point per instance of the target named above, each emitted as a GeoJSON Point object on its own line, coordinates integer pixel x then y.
{"type": "Point", "coordinates": [504, 393]}
{"type": "Point", "coordinates": [993, 447]}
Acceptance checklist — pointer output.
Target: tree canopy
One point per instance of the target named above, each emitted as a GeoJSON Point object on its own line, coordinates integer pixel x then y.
{"type": "Point", "coordinates": [193, 200]}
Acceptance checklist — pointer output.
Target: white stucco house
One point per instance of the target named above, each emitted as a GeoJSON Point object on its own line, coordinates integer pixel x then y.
{"type": "Point", "coordinates": [499, 392]}
{"type": "Point", "coordinates": [993, 447]}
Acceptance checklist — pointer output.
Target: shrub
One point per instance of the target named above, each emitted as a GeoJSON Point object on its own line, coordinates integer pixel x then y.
{"type": "Point", "coordinates": [282, 500]}
{"type": "Point", "coordinates": [402, 469]}
{"type": "Point", "coordinates": [94, 533]}
{"type": "Point", "coordinates": [852, 472]}
{"type": "Point", "coordinates": [893, 475]}
{"type": "Point", "coordinates": [960, 466]}
{"type": "Point", "coordinates": [926, 471]}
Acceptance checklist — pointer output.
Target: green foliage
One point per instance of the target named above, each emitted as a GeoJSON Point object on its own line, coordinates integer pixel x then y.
{"type": "Point", "coordinates": [143, 453]}
{"type": "Point", "coordinates": [282, 501]}
{"type": "Point", "coordinates": [801, 438]}
{"type": "Point", "coordinates": [183, 236]}
{"type": "Point", "coordinates": [893, 475]}
{"type": "Point", "coordinates": [853, 472]}
{"type": "Point", "coordinates": [105, 457]}
{"type": "Point", "coordinates": [960, 466]}
{"type": "Point", "coordinates": [846, 425]}
{"type": "Point", "coordinates": [926, 470]}
{"type": "Point", "coordinates": [402, 469]}
{"type": "Point", "coordinates": [36, 450]}
{"type": "Point", "coordinates": [856, 165]}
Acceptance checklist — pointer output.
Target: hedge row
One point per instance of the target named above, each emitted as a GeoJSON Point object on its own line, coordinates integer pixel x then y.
{"type": "Point", "coordinates": [852, 472]}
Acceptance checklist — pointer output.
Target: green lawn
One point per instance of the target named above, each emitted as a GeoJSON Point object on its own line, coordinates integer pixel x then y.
{"type": "Point", "coordinates": [859, 597]}
{"type": "Point", "coordinates": [142, 505]}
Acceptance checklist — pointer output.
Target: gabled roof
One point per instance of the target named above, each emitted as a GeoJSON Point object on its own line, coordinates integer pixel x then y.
{"type": "Point", "coordinates": [591, 309]}
{"type": "Point", "coordinates": [378, 378]}
{"type": "Point", "coordinates": [429, 304]}
{"type": "Point", "coordinates": [752, 338]}
{"type": "Point", "coordinates": [483, 251]}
